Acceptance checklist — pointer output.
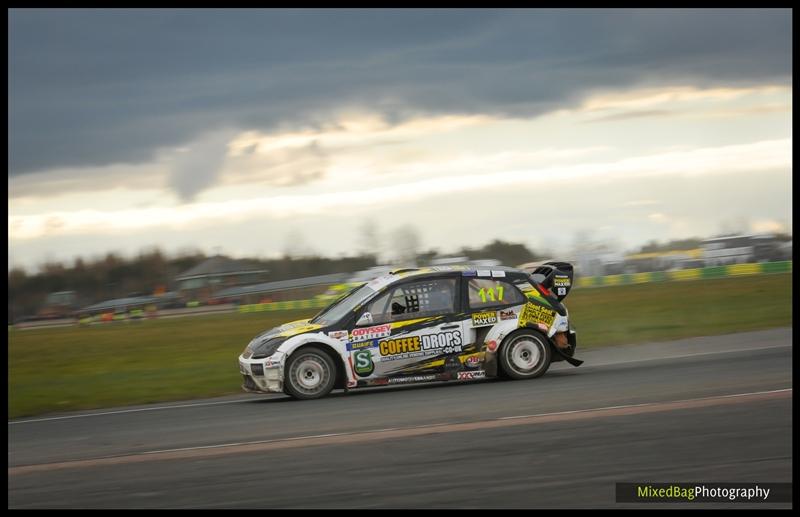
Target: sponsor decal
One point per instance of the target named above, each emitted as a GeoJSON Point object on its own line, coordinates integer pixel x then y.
{"type": "Point", "coordinates": [362, 345]}
{"type": "Point", "coordinates": [417, 346]}
{"type": "Point", "coordinates": [412, 378]}
{"type": "Point", "coordinates": [467, 376]}
{"type": "Point", "coordinates": [480, 319]}
{"type": "Point", "coordinates": [484, 272]}
{"type": "Point", "coordinates": [561, 291]}
{"type": "Point", "coordinates": [491, 345]}
{"type": "Point", "coordinates": [531, 293]}
{"type": "Point", "coordinates": [409, 355]}
{"type": "Point", "coordinates": [362, 363]}
{"type": "Point", "coordinates": [533, 313]}
{"type": "Point", "coordinates": [469, 273]}
{"type": "Point", "coordinates": [274, 360]}
{"type": "Point", "coordinates": [542, 327]}
{"type": "Point", "coordinates": [490, 292]}
{"type": "Point", "coordinates": [534, 294]}
{"type": "Point", "coordinates": [367, 333]}
{"type": "Point", "coordinates": [498, 274]}
{"type": "Point", "coordinates": [447, 342]}
{"type": "Point", "coordinates": [400, 346]}
{"type": "Point", "coordinates": [341, 335]}
{"type": "Point", "coordinates": [472, 361]}
{"type": "Point", "coordinates": [507, 315]}
{"type": "Point", "coordinates": [561, 281]}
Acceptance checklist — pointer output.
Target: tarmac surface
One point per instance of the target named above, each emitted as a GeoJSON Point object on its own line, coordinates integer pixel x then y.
{"type": "Point", "coordinates": [713, 409]}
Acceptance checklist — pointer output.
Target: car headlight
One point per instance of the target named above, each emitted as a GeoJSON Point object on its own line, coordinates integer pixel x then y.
{"type": "Point", "coordinates": [266, 348]}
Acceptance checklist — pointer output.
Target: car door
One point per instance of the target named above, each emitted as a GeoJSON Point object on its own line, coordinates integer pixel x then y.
{"type": "Point", "coordinates": [412, 335]}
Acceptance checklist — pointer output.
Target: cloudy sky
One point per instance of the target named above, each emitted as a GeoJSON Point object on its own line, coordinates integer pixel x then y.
{"type": "Point", "coordinates": [255, 132]}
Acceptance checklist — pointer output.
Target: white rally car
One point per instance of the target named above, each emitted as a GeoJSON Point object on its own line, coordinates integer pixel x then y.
{"type": "Point", "coordinates": [421, 325]}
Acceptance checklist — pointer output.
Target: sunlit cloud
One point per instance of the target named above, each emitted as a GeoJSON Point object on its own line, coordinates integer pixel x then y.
{"type": "Point", "coordinates": [686, 102]}
{"type": "Point", "coordinates": [648, 98]}
{"type": "Point", "coordinates": [627, 115]}
{"type": "Point", "coordinates": [767, 226]}
{"type": "Point", "coordinates": [89, 179]}
{"type": "Point", "coordinates": [718, 160]}
{"type": "Point", "coordinates": [351, 130]}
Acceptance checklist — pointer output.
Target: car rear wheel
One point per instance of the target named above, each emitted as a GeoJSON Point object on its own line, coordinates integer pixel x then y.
{"type": "Point", "coordinates": [525, 354]}
{"type": "Point", "coordinates": [310, 374]}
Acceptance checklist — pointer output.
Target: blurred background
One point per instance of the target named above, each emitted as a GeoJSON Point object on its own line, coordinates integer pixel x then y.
{"type": "Point", "coordinates": [151, 284]}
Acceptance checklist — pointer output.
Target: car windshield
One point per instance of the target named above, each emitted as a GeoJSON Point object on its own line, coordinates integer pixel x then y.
{"type": "Point", "coordinates": [340, 308]}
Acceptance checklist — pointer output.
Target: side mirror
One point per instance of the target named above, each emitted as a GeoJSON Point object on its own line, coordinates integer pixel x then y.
{"type": "Point", "coordinates": [365, 319]}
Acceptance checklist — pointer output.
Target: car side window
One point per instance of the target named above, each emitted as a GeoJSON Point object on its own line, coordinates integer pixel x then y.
{"type": "Point", "coordinates": [490, 292]}
{"type": "Point", "coordinates": [379, 308]}
{"type": "Point", "coordinates": [416, 299]}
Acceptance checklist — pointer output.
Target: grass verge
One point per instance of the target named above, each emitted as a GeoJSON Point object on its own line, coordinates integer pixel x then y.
{"type": "Point", "coordinates": [73, 368]}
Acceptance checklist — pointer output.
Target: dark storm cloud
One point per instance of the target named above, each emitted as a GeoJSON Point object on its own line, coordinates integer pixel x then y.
{"type": "Point", "coordinates": [95, 87]}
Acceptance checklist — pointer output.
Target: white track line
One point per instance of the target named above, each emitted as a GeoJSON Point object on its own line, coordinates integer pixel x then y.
{"type": "Point", "coordinates": [445, 424]}
{"type": "Point", "coordinates": [644, 404]}
{"type": "Point", "coordinates": [198, 404]}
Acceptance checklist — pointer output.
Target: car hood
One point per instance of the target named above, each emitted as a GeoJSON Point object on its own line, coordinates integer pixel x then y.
{"type": "Point", "coordinates": [288, 330]}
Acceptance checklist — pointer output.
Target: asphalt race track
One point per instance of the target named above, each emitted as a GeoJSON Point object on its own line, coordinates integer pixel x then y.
{"type": "Point", "coordinates": [703, 409]}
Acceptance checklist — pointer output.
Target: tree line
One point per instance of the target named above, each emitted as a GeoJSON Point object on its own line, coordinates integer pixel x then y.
{"type": "Point", "coordinates": [114, 276]}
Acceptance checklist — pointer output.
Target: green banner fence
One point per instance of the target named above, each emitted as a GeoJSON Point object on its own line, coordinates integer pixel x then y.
{"type": "Point", "coordinates": [287, 305]}
{"type": "Point", "coordinates": [686, 274]}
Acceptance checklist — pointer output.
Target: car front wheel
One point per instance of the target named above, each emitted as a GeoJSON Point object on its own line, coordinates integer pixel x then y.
{"type": "Point", "coordinates": [310, 374]}
{"type": "Point", "coordinates": [524, 355]}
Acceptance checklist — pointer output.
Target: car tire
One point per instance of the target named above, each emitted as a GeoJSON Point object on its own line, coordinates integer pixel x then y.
{"type": "Point", "coordinates": [310, 374]}
{"type": "Point", "coordinates": [525, 354]}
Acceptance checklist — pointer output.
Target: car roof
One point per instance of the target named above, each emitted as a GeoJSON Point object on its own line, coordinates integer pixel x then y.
{"type": "Point", "coordinates": [421, 272]}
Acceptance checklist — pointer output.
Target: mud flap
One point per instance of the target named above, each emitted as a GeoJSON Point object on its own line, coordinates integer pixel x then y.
{"type": "Point", "coordinates": [570, 360]}
{"type": "Point", "coordinates": [490, 364]}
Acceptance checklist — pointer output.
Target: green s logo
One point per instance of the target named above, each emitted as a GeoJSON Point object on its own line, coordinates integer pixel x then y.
{"type": "Point", "coordinates": [363, 364]}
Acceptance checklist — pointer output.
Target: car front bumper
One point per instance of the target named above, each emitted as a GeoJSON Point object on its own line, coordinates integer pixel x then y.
{"type": "Point", "coordinates": [261, 375]}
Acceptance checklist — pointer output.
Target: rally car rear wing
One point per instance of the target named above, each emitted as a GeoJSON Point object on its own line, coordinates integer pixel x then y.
{"type": "Point", "coordinates": [556, 277]}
